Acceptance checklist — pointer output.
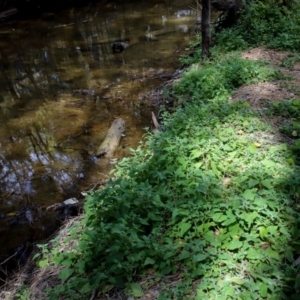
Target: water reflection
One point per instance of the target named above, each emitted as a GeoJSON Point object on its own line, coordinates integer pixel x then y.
{"type": "Point", "coordinates": [61, 88]}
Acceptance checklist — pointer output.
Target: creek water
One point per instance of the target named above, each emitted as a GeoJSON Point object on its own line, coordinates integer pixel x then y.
{"type": "Point", "coordinates": [61, 88]}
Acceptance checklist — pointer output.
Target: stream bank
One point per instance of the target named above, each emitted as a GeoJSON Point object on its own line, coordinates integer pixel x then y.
{"type": "Point", "coordinates": [62, 87]}
{"type": "Point", "coordinates": [209, 207]}
{"type": "Point", "coordinates": [241, 135]}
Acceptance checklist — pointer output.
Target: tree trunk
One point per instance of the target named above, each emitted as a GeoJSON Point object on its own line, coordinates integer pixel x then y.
{"type": "Point", "coordinates": [238, 5]}
{"type": "Point", "coordinates": [205, 28]}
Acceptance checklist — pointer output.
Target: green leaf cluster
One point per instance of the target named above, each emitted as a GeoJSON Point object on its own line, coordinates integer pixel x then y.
{"type": "Point", "coordinates": [264, 22]}
{"type": "Point", "coordinates": [215, 80]}
{"type": "Point", "coordinates": [213, 198]}
{"type": "Point", "coordinates": [288, 114]}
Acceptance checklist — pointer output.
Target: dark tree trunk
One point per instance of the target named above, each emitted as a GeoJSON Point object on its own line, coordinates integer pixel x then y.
{"type": "Point", "coordinates": [238, 5]}
{"type": "Point", "coordinates": [205, 28]}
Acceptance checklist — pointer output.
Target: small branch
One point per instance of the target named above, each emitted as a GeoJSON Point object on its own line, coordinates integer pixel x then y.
{"type": "Point", "coordinates": [93, 295]}
{"type": "Point", "coordinates": [8, 258]}
{"type": "Point", "coordinates": [155, 122]}
{"type": "Point", "coordinates": [70, 24]}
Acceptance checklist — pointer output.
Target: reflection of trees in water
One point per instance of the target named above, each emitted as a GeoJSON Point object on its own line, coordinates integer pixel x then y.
{"type": "Point", "coordinates": [53, 60]}
{"type": "Point", "coordinates": [30, 156]}
{"type": "Point", "coordinates": [44, 125]}
{"type": "Point", "coordinates": [80, 52]}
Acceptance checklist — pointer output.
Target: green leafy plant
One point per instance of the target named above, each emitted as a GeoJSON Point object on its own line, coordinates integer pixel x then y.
{"type": "Point", "coordinates": [286, 109]}
{"type": "Point", "coordinates": [211, 198]}
{"type": "Point", "coordinates": [227, 43]}
{"type": "Point", "coordinates": [264, 22]}
{"type": "Point", "coordinates": [23, 294]}
{"type": "Point", "coordinates": [289, 62]}
{"type": "Point", "coordinates": [216, 81]}
{"type": "Point", "coordinates": [193, 58]}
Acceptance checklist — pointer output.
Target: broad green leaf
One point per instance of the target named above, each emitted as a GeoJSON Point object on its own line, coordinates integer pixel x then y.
{"type": "Point", "coordinates": [199, 271]}
{"type": "Point", "coordinates": [196, 153]}
{"type": "Point", "coordinates": [204, 228]}
{"type": "Point", "coordinates": [154, 217]}
{"type": "Point", "coordinates": [261, 202]}
{"type": "Point", "coordinates": [184, 227]}
{"type": "Point", "coordinates": [252, 183]}
{"type": "Point", "coordinates": [183, 161]}
{"type": "Point", "coordinates": [168, 255]}
{"type": "Point", "coordinates": [227, 147]}
{"type": "Point", "coordinates": [237, 280]}
{"type": "Point", "coordinates": [252, 148]}
{"type": "Point", "coordinates": [219, 217]}
{"type": "Point", "coordinates": [228, 291]}
{"type": "Point", "coordinates": [263, 289]}
{"type": "Point", "coordinates": [198, 165]}
{"type": "Point", "coordinates": [135, 289]}
{"type": "Point", "coordinates": [277, 148]}
{"type": "Point", "coordinates": [250, 217]}
{"type": "Point", "coordinates": [273, 230]}
{"type": "Point", "coordinates": [289, 255]}
{"type": "Point", "coordinates": [184, 255]}
{"type": "Point", "coordinates": [234, 244]}
{"type": "Point", "coordinates": [65, 273]}
{"type": "Point", "coordinates": [235, 230]}
{"type": "Point", "coordinates": [263, 231]}
{"type": "Point", "coordinates": [43, 263]}
{"type": "Point", "coordinates": [199, 257]}
{"type": "Point", "coordinates": [209, 236]}
{"type": "Point", "coordinates": [86, 288]}
{"type": "Point", "coordinates": [232, 154]}
{"type": "Point", "coordinates": [149, 261]}
{"type": "Point", "coordinates": [253, 254]}
{"type": "Point", "coordinates": [229, 221]}
{"type": "Point", "coordinates": [284, 231]}
{"type": "Point", "coordinates": [36, 256]}
{"type": "Point", "coordinates": [165, 270]}
{"type": "Point", "coordinates": [250, 194]}
{"type": "Point", "coordinates": [290, 161]}
{"type": "Point", "coordinates": [201, 295]}
{"type": "Point", "coordinates": [247, 295]}
{"type": "Point", "coordinates": [214, 168]}
{"type": "Point", "coordinates": [271, 254]}
{"type": "Point", "coordinates": [222, 297]}
{"type": "Point", "coordinates": [223, 283]}
{"type": "Point", "coordinates": [268, 163]}
{"type": "Point", "coordinates": [267, 183]}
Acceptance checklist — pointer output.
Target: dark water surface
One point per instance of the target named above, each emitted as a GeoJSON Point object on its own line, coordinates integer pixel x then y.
{"type": "Point", "coordinates": [60, 89]}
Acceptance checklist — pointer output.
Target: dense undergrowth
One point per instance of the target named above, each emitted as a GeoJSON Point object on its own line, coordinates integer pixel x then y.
{"type": "Point", "coordinates": [213, 198]}
{"type": "Point", "coordinates": [266, 23]}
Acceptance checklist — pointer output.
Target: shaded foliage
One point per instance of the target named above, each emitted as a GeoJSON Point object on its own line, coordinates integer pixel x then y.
{"type": "Point", "coordinates": [214, 197]}
{"type": "Point", "coordinates": [206, 198]}
{"type": "Point", "coordinates": [276, 26]}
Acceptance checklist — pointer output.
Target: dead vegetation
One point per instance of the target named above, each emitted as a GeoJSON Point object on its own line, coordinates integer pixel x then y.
{"type": "Point", "coordinates": [39, 279]}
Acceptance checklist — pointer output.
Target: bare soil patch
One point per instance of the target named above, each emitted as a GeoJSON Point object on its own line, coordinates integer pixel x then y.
{"type": "Point", "coordinates": [257, 94]}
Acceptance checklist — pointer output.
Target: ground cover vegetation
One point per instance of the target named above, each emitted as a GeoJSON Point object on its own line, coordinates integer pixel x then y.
{"type": "Point", "coordinates": [264, 22]}
{"type": "Point", "coordinates": [209, 207]}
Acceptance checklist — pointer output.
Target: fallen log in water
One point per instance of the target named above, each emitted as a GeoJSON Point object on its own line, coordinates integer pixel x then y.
{"type": "Point", "coordinates": [112, 138]}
